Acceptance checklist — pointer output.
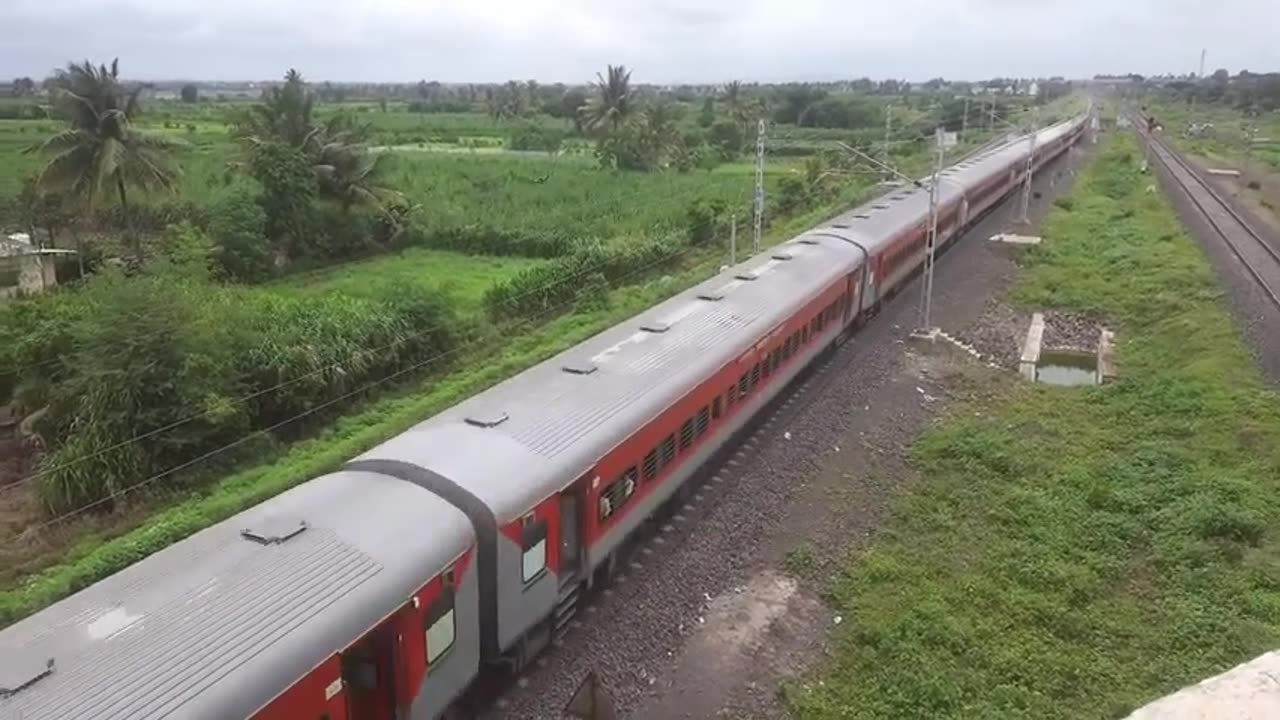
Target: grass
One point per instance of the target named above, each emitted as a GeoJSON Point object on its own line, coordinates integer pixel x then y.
{"type": "Point", "coordinates": [1226, 141]}
{"type": "Point", "coordinates": [1075, 553]}
{"type": "Point", "coordinates": [464, 277]}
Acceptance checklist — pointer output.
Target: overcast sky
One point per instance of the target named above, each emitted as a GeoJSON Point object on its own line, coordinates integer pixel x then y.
{"type": "Point", "coordinates": [664, 41]}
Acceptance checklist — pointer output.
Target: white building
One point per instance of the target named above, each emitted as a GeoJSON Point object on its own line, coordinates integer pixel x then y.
{"type": "Point", "coordinates": [25, 268]}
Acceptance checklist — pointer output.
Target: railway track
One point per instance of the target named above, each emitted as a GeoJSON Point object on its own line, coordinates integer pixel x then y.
{"type": "Point", "coordinates": [1247, 244]}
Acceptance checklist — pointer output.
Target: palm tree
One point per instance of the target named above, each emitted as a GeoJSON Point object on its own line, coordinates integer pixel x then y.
{"type": "Point", "coordinates": [661, 130]}
{"type": "Point", "coordinates": [736, 101]}
{"type": "Point", "coordinates": [614, 102]}
{"type": "Point", "coordinates": [101, 151]}
{"type": "Point", "coordinates": [346, 172]}
{"type": "Point", "coordinates": [284, 115]}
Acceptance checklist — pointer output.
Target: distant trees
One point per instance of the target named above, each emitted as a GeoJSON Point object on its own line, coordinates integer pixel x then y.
{"type": "Point", "coordinates": [100, 151]}
{"type": "Point", "coordinates": [23, 86]}
{"type": "Point", "coordinates": [189, 93]}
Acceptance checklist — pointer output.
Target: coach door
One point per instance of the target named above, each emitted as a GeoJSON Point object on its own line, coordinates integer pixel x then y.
{"type": "Point", "coordinates": [369, 673]}
{"type": "Point", "coordinates": [571, 530]}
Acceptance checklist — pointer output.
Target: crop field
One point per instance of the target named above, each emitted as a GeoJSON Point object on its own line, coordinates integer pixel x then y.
{"type": "Point", "coordinates": [463, 278]}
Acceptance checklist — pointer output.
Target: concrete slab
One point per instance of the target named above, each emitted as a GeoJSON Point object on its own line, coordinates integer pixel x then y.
{"type": "Point", "coordinates": [1223, 172]}
{"type": "Point", "coordinates": [1012, 239]}
{"type": "Point", "coordinates": [1250, 691]}
{"type": "Point", "coordinates": [1031, 348]}
{"type": "Point", "coordinates": [1106, 357]}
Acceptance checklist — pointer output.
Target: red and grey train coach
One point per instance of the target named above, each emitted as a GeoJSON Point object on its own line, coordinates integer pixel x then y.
{"type": "Point", "coordinates": [380, 591]}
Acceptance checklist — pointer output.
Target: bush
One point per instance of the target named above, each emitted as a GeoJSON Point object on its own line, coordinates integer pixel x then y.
{"type": "Point", "coordinates": [551, 287]}
{"type": "Point", "coordinates": [166, 349]}
{"type": "Point", "coordinates": [488, 240]}
{"type": "Point", "coordinates": [238, 230]}
{"type": "Point", "coordinates": [707, 220]}
{"type": "Point", "coordinates": [531, 136]}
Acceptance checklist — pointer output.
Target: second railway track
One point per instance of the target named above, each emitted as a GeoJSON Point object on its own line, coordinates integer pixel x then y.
{"type": "Point", "coordinates": [1260, 259]}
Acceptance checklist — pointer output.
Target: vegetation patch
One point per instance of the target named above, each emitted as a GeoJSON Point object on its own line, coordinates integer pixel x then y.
{"type": "Point", "coordinates": [1071, 554]}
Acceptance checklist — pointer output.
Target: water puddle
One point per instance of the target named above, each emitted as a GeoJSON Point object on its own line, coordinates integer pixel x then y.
{"type": "Point", "coordinates": [1058, 367]}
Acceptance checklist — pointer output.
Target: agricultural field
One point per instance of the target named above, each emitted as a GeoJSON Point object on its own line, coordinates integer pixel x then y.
{"type": "Point", "coordinates": [1225, 139]}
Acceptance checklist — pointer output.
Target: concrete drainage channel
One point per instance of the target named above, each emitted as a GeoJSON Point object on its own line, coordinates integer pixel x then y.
{"type": "Point", "coordinates": [1068, 366]}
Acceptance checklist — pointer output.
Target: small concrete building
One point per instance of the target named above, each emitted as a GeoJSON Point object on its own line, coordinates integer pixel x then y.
{"type": "Point", "coordinates": [25, 268]}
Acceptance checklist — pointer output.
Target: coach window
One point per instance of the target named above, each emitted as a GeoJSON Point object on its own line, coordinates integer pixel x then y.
{"type": "Point", "coordinates": [755, 376]}
{"type": "Point", "coordinates": [668, 450]}
{"type": "Point", "coordinates": [717, 408]}
{"type": "Point", "coordinates": [686, 434]}
{"type": "Point", "coordinates": [768, 366]}
{"type": "Point", "coordinates": [534, 546]}
{"type": "Point", "coordinates": [804, 334]}
{"type": "Point", "coordinates": [704, 420]}
{"type": "Point", "coordinates": [618, 493]}
{"type": "Point", "coordinates": [744, 385]}
{"type": "Point", "coordinates": [731, 396]}
{"type": "Point", "coordinates": [439, 625]}
{"type": "Point", "coordinates": [651, 465]}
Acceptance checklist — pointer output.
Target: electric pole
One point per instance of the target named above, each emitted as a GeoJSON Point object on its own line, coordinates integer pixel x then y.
{"type": "Point", "coordinates": [888, 133]}
{"type": "Point", "coordinates": [759, 221]}
{"type": "Point", "coordinates": [733, 240]}
{"type": "Point", "coordinates": [926, 303]}
{"type": "Point", "coordinates": [964, 123]}
{"type": "Point", "coordinates": [1031, 164]}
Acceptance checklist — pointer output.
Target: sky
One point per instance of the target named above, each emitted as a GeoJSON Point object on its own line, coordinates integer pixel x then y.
{"type": "Point", "coordinates": [662, 41]}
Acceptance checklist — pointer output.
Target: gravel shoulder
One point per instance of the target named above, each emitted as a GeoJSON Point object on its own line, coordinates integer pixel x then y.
{"type": "Point", "coordinates": [719, 609]}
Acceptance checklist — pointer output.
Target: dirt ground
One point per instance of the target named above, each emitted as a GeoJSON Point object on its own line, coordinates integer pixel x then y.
{"type": "Point", "coordinates": [773, 624]}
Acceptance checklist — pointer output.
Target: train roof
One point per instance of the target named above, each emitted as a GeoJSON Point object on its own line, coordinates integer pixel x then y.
{"type": "Point", "coordinates": [875, 222]}
{"type": "Point", "coordinates": [213, 626]}
{"type": "Point", "coordinates": [530, 436]}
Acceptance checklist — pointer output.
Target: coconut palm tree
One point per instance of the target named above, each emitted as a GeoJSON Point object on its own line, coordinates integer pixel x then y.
{"type": "Point", "coordinates": [735, 102]}
{"type": "Point", "coordinates": [346, 172]}
{"type": "Point", "coordinates": [661, 130]}
{"type": "Point", "coordinates": [614, 102]}
{"type": "Point", "coordinates": [101, 151]}
{"type": "Point", "coordinates": [284, 115]}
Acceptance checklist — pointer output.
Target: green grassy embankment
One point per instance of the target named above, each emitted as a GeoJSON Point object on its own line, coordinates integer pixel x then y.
{"type": "Point", "coordinates": [1075, 553]}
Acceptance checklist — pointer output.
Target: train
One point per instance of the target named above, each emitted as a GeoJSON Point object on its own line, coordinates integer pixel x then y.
{"type": "Point", "coordinates": [382, 591]}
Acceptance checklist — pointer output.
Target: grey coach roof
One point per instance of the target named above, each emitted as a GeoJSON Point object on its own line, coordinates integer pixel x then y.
{"type": "Point", "coordinates": [213, 627]}
{"type": "Point", "coordinates": [526, 438]}
{"type": "Point", "coordinates": [875, 222]}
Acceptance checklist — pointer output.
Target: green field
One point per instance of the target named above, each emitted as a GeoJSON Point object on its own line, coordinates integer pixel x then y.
{"type": "Point", "coordinates": [465, 278]}
{"type": "Point", "coordinates": [1075, 553]}
{"type": "Point", "coordinates": [1226, 141]}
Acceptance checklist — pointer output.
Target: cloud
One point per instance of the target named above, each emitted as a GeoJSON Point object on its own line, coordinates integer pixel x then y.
{"type": "Point", "coordinates": [663, 40]}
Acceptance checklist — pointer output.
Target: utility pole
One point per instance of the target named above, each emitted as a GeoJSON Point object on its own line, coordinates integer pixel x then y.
{"type": "Point", "coordinates": [733, 240]}
{"type": "Point", "coordinates": [888, 134]}
{"type": "Point", "coordinates": [1031, 164]}
{"type": "Point", "coordinates": [964, 123]}
{"type": "Point", "coordinates": [926, 302]}
{"type": "Point", "coordinates": [759, 221]}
